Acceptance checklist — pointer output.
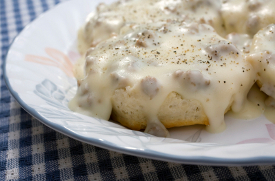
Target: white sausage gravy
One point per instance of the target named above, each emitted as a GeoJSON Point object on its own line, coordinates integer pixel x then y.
{"type": "Point", "coordinates": [155, 47]}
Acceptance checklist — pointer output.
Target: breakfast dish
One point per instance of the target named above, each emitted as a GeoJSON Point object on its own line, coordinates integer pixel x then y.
{"type": "Point", "coordinates": [44, 90]}
{"type": "Point", "coordinates": [163, 64]}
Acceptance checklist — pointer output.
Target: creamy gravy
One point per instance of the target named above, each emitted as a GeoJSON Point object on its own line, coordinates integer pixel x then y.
{"type": "Point", "coordinates": [155, 47]}
{"type": "Point", "coordinates": [241, 41]}
{"type": "Point", "coordinates": [262, 57]}
{"type": "Point", "coordinates": [157, 59]}
{"type": "Point", "coordinates": [109, 19]}
{"type": "Point", "coordinates": [247, 16]}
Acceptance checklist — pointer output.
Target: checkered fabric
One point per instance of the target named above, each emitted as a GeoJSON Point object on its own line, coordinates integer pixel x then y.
{"type": "Point", "coordinates": [31, 151]}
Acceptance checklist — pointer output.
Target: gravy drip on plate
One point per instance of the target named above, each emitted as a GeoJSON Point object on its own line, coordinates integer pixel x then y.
{"type": "Point", "coordinates": [270, 109]}
{"type": "Point", "coordinates": [153, 60]}
{"type": "Point", "coordinates": [256, 104]}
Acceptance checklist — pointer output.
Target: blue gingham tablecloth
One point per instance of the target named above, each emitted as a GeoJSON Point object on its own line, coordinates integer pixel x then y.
{"type": "Point", "coordinates": [31, 151]}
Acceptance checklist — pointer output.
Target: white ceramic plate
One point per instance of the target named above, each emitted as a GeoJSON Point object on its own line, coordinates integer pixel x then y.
{"type": "Point", "coordinates": [38, 73]}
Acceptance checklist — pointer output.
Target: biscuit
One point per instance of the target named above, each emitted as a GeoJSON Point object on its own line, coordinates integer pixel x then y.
{"type": "Point", "coordinates": [175, 111]}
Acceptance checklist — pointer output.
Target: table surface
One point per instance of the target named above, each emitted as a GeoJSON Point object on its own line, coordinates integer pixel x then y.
{"type": "Point", "coordinates": [31, 151]}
